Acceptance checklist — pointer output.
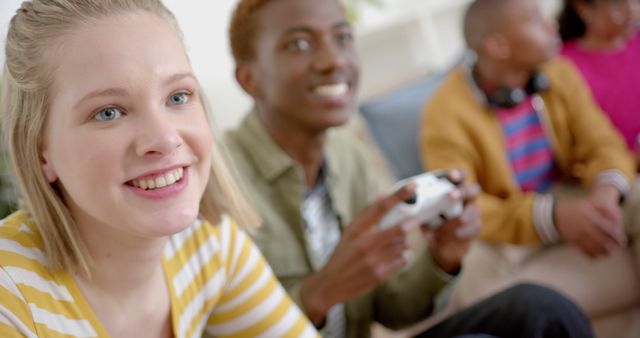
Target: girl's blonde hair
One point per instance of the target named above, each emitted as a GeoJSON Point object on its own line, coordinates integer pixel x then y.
{"type": "Point", "coordinates": [27, 76]}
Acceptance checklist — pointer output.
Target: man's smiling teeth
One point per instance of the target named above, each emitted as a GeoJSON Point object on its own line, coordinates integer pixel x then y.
{"type": "Point", "coordinates": [162, 181]}
{"type": "Point", "coordinates": [332, 90]}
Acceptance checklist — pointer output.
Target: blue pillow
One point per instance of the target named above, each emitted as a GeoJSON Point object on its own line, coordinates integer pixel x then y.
{"type": "Point", "coordinates": [394, 120]}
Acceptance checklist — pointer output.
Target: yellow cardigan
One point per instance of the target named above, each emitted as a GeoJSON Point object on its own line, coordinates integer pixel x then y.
{"type": "Point", "coordinates": [459, 130]}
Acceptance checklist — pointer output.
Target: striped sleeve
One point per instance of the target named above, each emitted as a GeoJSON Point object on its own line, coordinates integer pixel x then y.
{"type": "Point", "coordinates": [15, 316]}
{"type": "Point", "coordinates": [253, 303]}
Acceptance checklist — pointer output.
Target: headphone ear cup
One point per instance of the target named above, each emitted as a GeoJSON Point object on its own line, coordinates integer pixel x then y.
{"type": "Point", "coordinates": [510, 97]}
{"type": "Point", "coordinates": [537, 83]}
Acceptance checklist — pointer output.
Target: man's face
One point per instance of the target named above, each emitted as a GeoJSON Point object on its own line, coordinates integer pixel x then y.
{"type": "Point", "coordinates": [305, 70]}
{"type": "Point", "coordinates": [533, 39]}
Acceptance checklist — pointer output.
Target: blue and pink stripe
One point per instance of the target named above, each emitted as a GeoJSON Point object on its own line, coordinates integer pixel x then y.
{"type": "Point", "coordinates": [528, 148]}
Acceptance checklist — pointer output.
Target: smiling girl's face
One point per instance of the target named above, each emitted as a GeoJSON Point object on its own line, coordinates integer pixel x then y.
{"type": "Point", "coordinates": [127, 140]}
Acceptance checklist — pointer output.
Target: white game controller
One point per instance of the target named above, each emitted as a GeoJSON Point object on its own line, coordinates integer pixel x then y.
{"type": "Point", "coordinates": [431, 204]}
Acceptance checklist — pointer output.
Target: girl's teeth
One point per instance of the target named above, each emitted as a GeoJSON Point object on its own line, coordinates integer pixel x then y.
{"type": "Point", "coordinates": [160, 181]}
{"type": "Point", "coordinates": [170, 179]}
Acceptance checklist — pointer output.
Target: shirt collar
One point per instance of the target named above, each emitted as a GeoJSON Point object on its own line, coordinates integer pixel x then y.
{"type": "Point", "coordinates": [270, 160]}
{"type": "Point", "coordinates": [321, 182]}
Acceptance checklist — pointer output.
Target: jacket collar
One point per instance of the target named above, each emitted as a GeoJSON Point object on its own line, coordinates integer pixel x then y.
{"type": "Point", "coordinates": [270, 160]}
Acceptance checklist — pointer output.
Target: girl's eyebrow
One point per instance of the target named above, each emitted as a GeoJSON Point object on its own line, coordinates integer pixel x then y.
{"type": "Point", "coordinates": [121, 92]}
{"type": "Point", "coordinates": [102, 92]}
{"type": "Point", "coordinates": [178, 77]}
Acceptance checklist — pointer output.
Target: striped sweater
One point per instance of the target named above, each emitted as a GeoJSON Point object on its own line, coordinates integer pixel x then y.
{"type": "Point", "coordinates": [218, 282]}
{"type": "Point", "coordinates": [527, 146]}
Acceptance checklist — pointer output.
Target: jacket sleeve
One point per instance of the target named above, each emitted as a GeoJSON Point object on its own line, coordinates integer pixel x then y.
{"type": "Point", "coordinates": [447, 142]}
{"type": "Point", "coordinates": [599, 148]}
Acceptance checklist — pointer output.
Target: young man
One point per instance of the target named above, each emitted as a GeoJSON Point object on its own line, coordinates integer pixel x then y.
{"type": "Point", "coordinates": [312, 184]}
{"type": "Point", "coordinates": [523, 125]}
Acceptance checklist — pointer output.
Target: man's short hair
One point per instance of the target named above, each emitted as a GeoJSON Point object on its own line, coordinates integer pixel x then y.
{"type": "Point", "coordinates": [244, 28]}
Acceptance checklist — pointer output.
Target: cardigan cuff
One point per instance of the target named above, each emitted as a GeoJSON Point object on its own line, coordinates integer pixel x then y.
{"type": "Point", "coordinates": [615, 178]}
{"type": "Point", "coordinates": [543, 206]}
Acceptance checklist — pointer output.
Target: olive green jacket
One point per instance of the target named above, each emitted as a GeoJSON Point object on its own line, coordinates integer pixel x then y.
{"type": "Point", "coordinates": [276, 185]}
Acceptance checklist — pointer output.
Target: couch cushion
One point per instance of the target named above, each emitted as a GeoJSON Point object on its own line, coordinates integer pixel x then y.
{"type": "Point", "coordinates": [394, 120]}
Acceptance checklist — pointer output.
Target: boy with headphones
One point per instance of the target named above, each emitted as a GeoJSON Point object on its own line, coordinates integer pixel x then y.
{"type": "Point", "coordinates": [523, 125]}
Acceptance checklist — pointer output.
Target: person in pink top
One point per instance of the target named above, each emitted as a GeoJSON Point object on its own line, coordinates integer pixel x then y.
{"type": "Point", "coordinates": [602, 39]}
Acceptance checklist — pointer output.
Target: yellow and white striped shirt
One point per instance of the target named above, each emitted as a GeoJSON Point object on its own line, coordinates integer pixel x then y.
{"type": "Point", "coordinates": [218, 283]}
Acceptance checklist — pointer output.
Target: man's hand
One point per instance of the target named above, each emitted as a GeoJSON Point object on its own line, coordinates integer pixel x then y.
{"type": "Point", "coordinates": [365, 257]}
{"type": "Point", "coordinates": [594, 223]}
{"type": "Point", "coordinates": [605, 198]}
{"type": "Point", "coordinates": [450, 242]}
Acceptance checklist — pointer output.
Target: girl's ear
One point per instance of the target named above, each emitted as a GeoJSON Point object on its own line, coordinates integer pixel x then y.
{"type": "Point", "coordinates": [47, 168]}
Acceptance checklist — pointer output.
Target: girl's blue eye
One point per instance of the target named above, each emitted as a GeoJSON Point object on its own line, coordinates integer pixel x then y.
{"type": "Point", "coordinates": [108, 114]}
{"type": "Point", "coordinates": [179, 99]}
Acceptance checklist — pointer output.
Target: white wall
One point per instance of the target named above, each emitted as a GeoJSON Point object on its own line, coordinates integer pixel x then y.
{"type": "Point", "coordinates": [405, 39]}
{"type": "Point", "coordinates": [410, 38]}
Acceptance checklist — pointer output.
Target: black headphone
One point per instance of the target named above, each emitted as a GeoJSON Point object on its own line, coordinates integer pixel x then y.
{"type": "Point", "coordinates": [510, 97]}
